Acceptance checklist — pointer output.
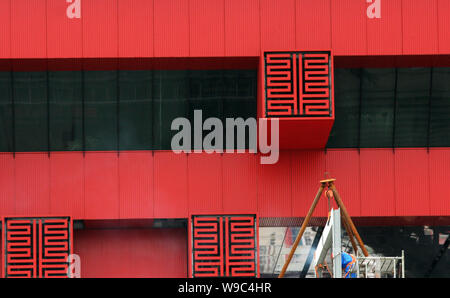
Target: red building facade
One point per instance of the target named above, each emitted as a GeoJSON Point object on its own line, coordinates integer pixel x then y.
{"type": "Point", "coordinates": [119, 196]}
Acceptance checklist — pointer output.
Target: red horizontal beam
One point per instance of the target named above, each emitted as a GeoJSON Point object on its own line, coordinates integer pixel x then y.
{"type": "Point", "coordinates": [143, 185]}
{"type": "Point", "coordinates": [214, 28]}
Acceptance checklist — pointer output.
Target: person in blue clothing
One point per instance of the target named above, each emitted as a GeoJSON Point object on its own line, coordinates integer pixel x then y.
{"type": "Point", "coordinates": [348, 262]}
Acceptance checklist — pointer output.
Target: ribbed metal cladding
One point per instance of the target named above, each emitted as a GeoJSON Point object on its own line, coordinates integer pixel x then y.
{"type": "Point", "coordinates": [171, 29]}
{"type": "Point", "coordinates": [313, 16]}
{"type": "Point", "coordinates": [100, 28]}
{"type": "Point", "coordinates": [240, 183]}
{"type": "Point", "coordinates": [275, 187]}
{"type": "Point", "coordinates": [171, 186]}
{"type": "Point", "coordinates": [137, 17]}
{"type": "Point", "coordinates": [205, 183]}
{"type": "Point", "coordinates": [32, 183]}
{"type": "Point", "coordinates": [101, 183]}
{"type": "Point", "coordinates": [308, 168]}
{"type": "Point", "coordinates": [206, 28]}
{"type": "Point", "coordinates": [67, 188]}
{"type": "Point", "coordinates": [420, 37]}
{"type": "Point", "coordinates": [343, 164]}
{"type": "Point", "coordinates": [7, 193]}
{"type": "Point", "coordinates": [412, 195]}
{"type": "Point", "coordinates": [136, 184]}
{"type": "Point", "coordinates": [377, 182]}
{"type": "Point", "coordinates": [444, 26]}
{"type": "Point", "coordinates": [242, 34]}
{"type": "Point", "coordinates": [348, 25]}
{"type": "Point", "coordinates": [439, 173]}
{"type": "Point", "coordinates": [5, 29]}
{"type": "Point", "coordinates": [275, 15]}
{"type": "Point", "coordinates": [384, 35]}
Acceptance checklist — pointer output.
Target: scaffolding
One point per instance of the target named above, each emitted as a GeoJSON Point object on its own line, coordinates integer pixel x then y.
{"type": "Point", "coordinates": [380, 267]}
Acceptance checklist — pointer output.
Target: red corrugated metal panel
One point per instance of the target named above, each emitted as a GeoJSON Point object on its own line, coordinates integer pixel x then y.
{"type": "Point", "coordinates": [384, 35]}
{"type": "Point", "coordinates": [444, 26]}
{"type": "Point", "coordinates": [275, 187]}
{"type": "Point", "coordinates": [420, 32]}
{"type": "Point", "coordinates": [32, 183]}
{"type": "Point", "coordinates": [439, 174]}
{"type": "Point", "coordinates": [377, 182]}
{"type": "Point", "coordinates": [101, 185]}
{"type": "Point", "coordinates": [242, 36]}
{"type": "Point", "coordinates": [67, 184]}
{"type": "Point", "coordinates": [64, 35]}
{"type": "Point", "coordinates": [171, 23]}
{"type": "Point", "coordinates": [28, 29]}
{"type": "Point", "coordinates": [308, 168]}
{"type": "Point", "coordinates": [5, 29]}
{"type": "Point", "coordinates": [277, 25]}
{"type": "Point", "coordinates": [7, 174]}
{"type": "Point", "coordinates": [240, 183]}
{"type": "Point", "coordinates": [132, 252]}
{"type": "Point", "coordinates": [205, 183]}
{"type": "Point", "coordinates": [135, 28]}
{"type": "Point", "coordinates": [206, 28]}
{"type": "Point", "coordinates": [136, 184]}
{"type": "Point", "coordinates": [412, 195]}
{"type": "Point", "coordinates": [349, 27]}
{"type": "Point", "coordinates": [100, 28]}
{"type": "Point", "coordinates": [343, 164]}
{"type": "Point", "coordinates": [170, 182]}
{"type": "Point", "coordinates": [313, 29]}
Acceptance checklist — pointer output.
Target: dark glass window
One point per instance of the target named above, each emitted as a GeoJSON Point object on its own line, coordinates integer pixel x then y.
{"type": "Point", "coordinates": [440, 108]}
{"type": "Point", "coordinates": [135, 110]}
{"type": "Point", "coordinates": [377, 107]}
{"type": "Point", "coordinates": [6, 116]}
{"type": "Point", "coordinates": [411, 118]}
{"type": "Point", "coordinates": [345, 131]}
{"type": "Point", "coordinates": [100, 110]}
{"type": "Point", "coordinates": [66, 110]}
{"type": "Point", "coordinates": [240, 90]}
{"type": "Point", "coordinates": [31, 111]}
{"type": "Point", "coordinates": [170, 101]}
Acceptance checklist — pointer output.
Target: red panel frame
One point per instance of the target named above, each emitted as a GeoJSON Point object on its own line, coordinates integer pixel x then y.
{"type": "Point", "coordinates": [101, 185]}
{"type": "Point", "coordinates": [444, 26]}
{"type": "Point", "coordinates": [5, 29]}
{"type": "Point", "coordinates": [136, 184]}
{"type": "Point", "coordinates": [7, 179]}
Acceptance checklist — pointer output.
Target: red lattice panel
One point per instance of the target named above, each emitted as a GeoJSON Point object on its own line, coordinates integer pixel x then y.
{"type": "Point", "coordinates": [298, 84]}
{"type": "Point", "coordinates": [224, 245]}
{"type": "Point", "coordinates": [36, 247]}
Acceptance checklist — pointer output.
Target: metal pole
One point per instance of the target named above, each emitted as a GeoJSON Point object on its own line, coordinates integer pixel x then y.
{"type": "Point", "coordinates": [303, 228]}
{"type": "Point", "coordinates": [403, 264]}
{"type": "Point", "coordinates": [341, 205]}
